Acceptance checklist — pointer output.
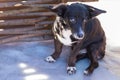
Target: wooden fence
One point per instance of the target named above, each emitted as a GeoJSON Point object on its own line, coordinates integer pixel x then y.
{"type": "Point", "coordinates": [26, 20]}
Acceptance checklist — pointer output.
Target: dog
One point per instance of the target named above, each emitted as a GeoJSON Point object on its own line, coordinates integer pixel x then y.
{"type": "Point", "coordinates": [76, 26]}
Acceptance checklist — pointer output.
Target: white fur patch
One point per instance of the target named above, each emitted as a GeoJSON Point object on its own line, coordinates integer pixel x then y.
{"type": "Point", "coordinates": [66, 40]}
{"type": "Point", "coordinates": [86, 72]}
{"type": "Point", "coordinates": [83, 51]}
{"type": "Point", "coordinates": [66, 33]}
{"type": "Point", "coordinates": [50, 59]}
{"type": "Point", "coordinates": [71, 70]}
{"type": "Point", "coordinates": [69, 3]}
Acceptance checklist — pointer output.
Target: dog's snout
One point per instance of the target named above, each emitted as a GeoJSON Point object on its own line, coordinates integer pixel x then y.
{"type": "Point", "coordinates": [80, 35]}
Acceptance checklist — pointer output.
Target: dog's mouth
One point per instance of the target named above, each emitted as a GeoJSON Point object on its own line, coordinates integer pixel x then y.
{"type": "Point", "coordinates": [74, 40]}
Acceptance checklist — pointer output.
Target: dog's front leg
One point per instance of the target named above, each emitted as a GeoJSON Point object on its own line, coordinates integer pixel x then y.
{"type": "Point", "coordinates": [93, 62]}
{"type": "Point", "coordinates": [56, 54]}
{"type": "Point", "coordinates": [71, 69]}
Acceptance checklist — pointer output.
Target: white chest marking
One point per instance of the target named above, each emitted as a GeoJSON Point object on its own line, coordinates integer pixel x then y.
{"type": "Point", "coordinates": [66, 40]}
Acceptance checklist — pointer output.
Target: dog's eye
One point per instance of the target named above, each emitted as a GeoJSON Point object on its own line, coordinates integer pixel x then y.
{"type": "Point", "coordinates": [72, 20]}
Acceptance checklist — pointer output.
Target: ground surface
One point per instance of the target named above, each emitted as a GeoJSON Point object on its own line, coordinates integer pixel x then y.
{"type": "Point", "coordinates": [25, 61]}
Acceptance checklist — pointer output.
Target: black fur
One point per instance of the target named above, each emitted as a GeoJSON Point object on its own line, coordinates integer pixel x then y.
{"type": "Point", "coordinates": [86, 30]}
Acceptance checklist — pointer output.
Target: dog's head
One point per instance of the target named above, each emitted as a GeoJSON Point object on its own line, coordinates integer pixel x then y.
{"type": "Point", "coordinates": [75, 15]}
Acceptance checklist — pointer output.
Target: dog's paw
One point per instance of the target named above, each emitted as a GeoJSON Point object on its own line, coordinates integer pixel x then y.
{"type": "Point", "coordinates": [83, 51]}
{"type": "Point", "coordinates": [86, 72]}
{"type": "Point", "coordinates": [50, 59]}
{"type": "Point", "coordinates": [71, 70]}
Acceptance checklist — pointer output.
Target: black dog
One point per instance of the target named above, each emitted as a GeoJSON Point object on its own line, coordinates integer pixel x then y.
{"type": "Point", "coordinates": [76, 25]}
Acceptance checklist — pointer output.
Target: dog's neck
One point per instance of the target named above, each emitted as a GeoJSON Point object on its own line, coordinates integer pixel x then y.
{"type": "Point", "coordinates": [62, 33]}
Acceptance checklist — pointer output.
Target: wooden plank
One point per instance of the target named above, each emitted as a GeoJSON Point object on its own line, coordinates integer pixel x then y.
{"type": "Point", "coordinates": [43, 23]}
{"type": "Point", "coordinates": [25, 32]}
{"type": "Point", "coordinates": [22, 29]}
{"type": "Point", "coordinates": [18, 37]}
{"type": "Point", "coordinates": [13, 8]}
{"type": "Point", "coordinates": [9, 4]}
{"type": "Point", "coordinates": [40, 6]}
{"type": "Point", "coordinates": [8, 23]}
{"type": "Point", "coordinates": [30, 1]}
{"type": "Point", "coordinates": [13, 12]}
{"type": "Point", "coordinates": [79, 0]}
{"type": "Point", "coordinates": [2, 1]}
{"type": "Point", "coordinates": [25, 15]}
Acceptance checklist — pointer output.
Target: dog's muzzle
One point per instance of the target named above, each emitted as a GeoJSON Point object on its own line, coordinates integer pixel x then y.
{"type": "Point", "coordinates": [78, 36]}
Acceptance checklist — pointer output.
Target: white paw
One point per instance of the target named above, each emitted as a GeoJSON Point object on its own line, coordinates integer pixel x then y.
{"type": "Point", "coordinates": [83, 51]}
{"type": "Point", "coordinates": [50, 59]}
{"type": "Point", "coordinates": [71, 70]}
{"type": "Point", "coordinates": [86, 72]}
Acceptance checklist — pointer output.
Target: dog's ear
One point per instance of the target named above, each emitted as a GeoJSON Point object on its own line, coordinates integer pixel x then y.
{"type": "Point", "coordinates": [94, 11]}
{"type": "Point", "coordinates": [59, 9]}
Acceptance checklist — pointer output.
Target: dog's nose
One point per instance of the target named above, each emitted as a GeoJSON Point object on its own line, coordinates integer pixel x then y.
{"type": "Point", "coordinates": [80, 35]}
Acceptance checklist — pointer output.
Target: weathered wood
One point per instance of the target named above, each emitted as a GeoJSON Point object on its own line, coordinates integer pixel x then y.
{"type": "Point", "coordinates": [78, 0]}
{"type": "Point", "coordinates": [7, 23]}
{"type": "Point", "coordinates": [23, 6]}
{"type": "Point", "coordinates": [18, 37]}
{"type": "Point", "coordinates": [14, 8]}
{"type": "Point", "coordinates": [44, 23]}
{"type": "Point", "coordinates": [30, 1]}
{"type": "Point", "coordinates": [24, 29]}
{"type": "Point", "coordinates": [37, 14]}
{"type": "Point", "coordinates": [8, 4]}
{"type": "Point", "coordinates": [1, 1]}
{"type": "Point", "coordinates": [15, 12]}
{"type": "Point", "coordinates": [26, 15]}
{"type": "Point", "coordinates": [39, 5]}
{"type": "Point", "coordinates": [39, 1]}
{"type": "Point", "coordinates": [26, 32]}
